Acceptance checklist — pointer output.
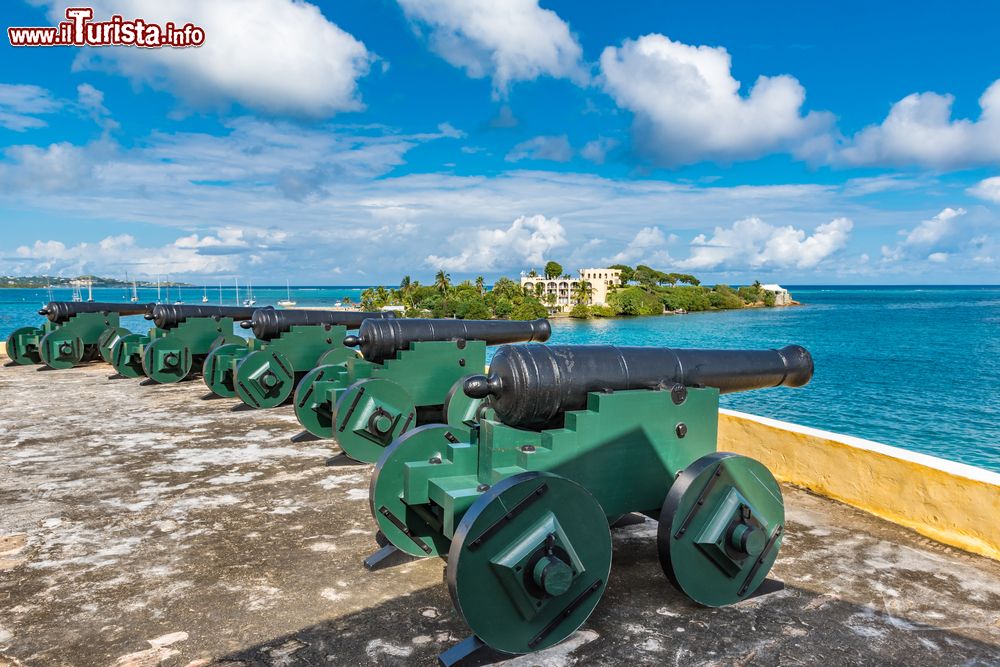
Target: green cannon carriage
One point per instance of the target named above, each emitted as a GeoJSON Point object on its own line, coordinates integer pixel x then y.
{"type": "Point", "coordinates": [410, 375]}
{"type": "Point", "coordinates": [74, 332]}
{"type": "Point", "coordinates": [182, 336]}
{"type": "Point", "coordinates": [263, 371]}
{"type": "Point", "coordinates": [575, 437]}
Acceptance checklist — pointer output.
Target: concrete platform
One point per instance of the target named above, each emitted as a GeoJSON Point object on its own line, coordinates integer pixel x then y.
{"type": "Point", "coordinates": [142, 526]}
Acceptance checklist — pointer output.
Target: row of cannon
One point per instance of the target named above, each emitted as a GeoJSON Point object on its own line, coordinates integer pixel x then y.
{"type": "Point", "coordinates": [515, 476]}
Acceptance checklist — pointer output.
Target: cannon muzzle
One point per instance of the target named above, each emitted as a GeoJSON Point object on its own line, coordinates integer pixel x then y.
{"type": "Point", "coordinates": [60, 311]}
{"type": "Point", "coordinates": [532, 385]}
{"type": "Point", "coordinates": [268, 324]}
{"type": "Point", "coordinates": [381, 339]}
{"type": "Point", "coordinates": [168, 317]}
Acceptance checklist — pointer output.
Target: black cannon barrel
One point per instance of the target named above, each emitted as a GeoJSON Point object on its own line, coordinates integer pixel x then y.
{"type": "Point", "coordinates": [60, 311]}
{"type": "Point", "coordinates": [268, 324]}
{"type": "Point", "coordinates": [531, 385]}
{"type": "Point", "coordinates": [169, 316]}
{"type": "Point", "coordinates": [381, 339]}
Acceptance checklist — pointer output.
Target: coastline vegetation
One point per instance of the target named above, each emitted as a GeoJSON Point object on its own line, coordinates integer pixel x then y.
{"type": "Point", "coordinates": [41, 282]}
{"type": "Point", "coordinates": [643, 291]}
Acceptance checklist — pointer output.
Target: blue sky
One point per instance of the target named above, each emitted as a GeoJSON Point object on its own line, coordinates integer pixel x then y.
{"type": "Point", "coordinates": [352, 142]}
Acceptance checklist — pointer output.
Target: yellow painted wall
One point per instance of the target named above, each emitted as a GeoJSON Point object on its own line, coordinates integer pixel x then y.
{"type": "Point", "coordinates": [952, 503]}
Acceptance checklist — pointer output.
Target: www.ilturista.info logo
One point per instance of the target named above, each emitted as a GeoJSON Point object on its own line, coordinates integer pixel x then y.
{"type": "Point", "coordinates": [80, 30]}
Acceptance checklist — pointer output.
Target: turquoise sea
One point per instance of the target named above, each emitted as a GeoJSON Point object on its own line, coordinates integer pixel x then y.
{"type": "Point", "coordinates": [914, 367]}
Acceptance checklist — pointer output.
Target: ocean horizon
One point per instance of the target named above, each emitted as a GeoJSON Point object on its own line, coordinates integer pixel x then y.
{"type": "Point", "coordinates": [913, 366]}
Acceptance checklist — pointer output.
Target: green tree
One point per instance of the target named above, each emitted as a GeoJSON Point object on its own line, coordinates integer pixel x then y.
{"type": "Point", "coordinates": [442, 281]}
{"type": "Point", "coordinates": [480, 285]}
{"type": "Point", "coordinates": [580, 312]}
{"type": "Point", "coordinates": [582, 292]}
{"type": "Point", "coordinates": [549, 298]}
{"type": "Point", "coordinates": [627, 272]}
{"type": "Point", "coordinates": [505, 287]}
{"type": "Point", "coordinates": [553, 270]}
{"type": "Point", "coordinates": [528, 309]}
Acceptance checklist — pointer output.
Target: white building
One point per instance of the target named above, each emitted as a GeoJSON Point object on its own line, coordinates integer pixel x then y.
{"type": "Point", "coordinates": [565, 292]}
{"type": "Point", "coordinates": [781, 295]}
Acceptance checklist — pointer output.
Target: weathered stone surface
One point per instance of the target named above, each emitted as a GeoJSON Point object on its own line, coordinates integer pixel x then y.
{"type": "Point", "coordinates": [144, 526]}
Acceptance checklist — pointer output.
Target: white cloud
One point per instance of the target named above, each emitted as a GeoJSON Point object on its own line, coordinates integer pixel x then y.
{"type": "Point", "coordinates": [91, 101]}
{"type": "Point", "coordinates": [919, 130]}
{"type": "Point", "coordinates": [276, 56]}
{"type": "Point", "coordinates": [556, 149]}
{"type": "Point", "coordinates": [513, 40]}
{"type": "Point", "coordinates": [597, 150]}
{"type": "Point", "coordinates": [20, 106]}
{"type": "Point", "coordinates": [988, 189]}
{"type": "Point", "coordinates": [927, 237]}
{"type": "Point", "coordinates": [649, 246]}
{"type": "Point", "coordinates": [751, 243]}
{"type": "Point", "coordinates": [528, 241]}
{"type": "Point", "coordinates": [117, 254]}
{"type": "Point", "coordinates": [55, 168]}
{"type": "Point", "coordinates": [688, 106]}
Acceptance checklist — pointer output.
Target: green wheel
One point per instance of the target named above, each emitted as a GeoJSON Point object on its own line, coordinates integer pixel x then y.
{"type": "Point", "coordinates": [126, 355]}
{"type": "Point", "coordinates": [459, 409]}
{"type": "Point", "coordinates": [60, 349]}
{"type": "Point", "coordinates": [424, 445]}
{"type": "Point", "coordinates": [108, 338]}
{"type": "Point", "coordinates": [22, 346]}
{"type": "Point", "coordinates": [369, 415]}
{"type": "Point", "coordinates": [529, 561]}
{"type": "Point", "coordinates": [264, 379]}
{"type": "Point", "coordinates": [721, 528]}
{"type": "Point", "coordinates": [166, 360]}
{"type": "Point", "coordinates": [337, 355]}
{"type": "Point", "coordinates": [312, 405]}
{"type": "Point", "coordinates": [217, 369]}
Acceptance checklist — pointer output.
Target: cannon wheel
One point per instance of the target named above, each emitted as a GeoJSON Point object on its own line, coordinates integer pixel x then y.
{"type": "Point", "coordinates": [108, 338]}
{"type": "Point", "coordinates": [166, 360]}
{"type": "Point", "coordinates": [61, 350]}
{"type": "Point", "coordinates": [337, 355]}
{"type": "Point", "coordinates": [264, 379]}
{"type": "Point", "coordinates": [369, 415]}
{"type": "Point", "coordinates": [222, 385]}
{"type": "Point", "coordinates": [461, 410]}
{"type": "Point", "coordinates": [314, 416]}
{"type": "Point", "coordinates": [23, 355]}
{"type": "Point", "coordinates": [420, 445]}
{"type": "Point", "coordinates": [721, 528]}
{"type": "Point", "coordinates": [529, 561]}
{"type": "Point", "coordinates": [128, 365]}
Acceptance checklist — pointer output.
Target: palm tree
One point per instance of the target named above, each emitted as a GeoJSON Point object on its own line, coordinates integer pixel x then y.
{"type": "Point", "coordinates": [582, 292]}
{"type": "Point", "coordinates": [480, 285]}
{"type": "Point", "coordinates": [442, 281]}
{"type": "Point", "coordinates": [539, 288]}
{"type": "Point", "coordinates": [404, 284]}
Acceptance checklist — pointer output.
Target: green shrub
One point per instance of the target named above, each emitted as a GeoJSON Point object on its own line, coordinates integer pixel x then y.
{"type": "Point", "coordinates": [529, 309]}
{"type": "Point", "coordinates": [601, 311]}
{"type": "Point", "coordinates": [769, 298]}
{"type": "Point", "coordinates": [685, 297]}
{"type": "Point", "coordinates": [580, 311]}
{"type": "Point", "coordinates": [635, 301]}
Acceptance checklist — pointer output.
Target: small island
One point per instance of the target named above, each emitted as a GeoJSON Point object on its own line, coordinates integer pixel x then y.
{"type": "Point", "coordinates": [44, 281]}
{"type": "Point", "coordinates": [615, 291]}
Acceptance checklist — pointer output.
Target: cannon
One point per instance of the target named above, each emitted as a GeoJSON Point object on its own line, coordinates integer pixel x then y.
{"type": "Point", "coordinates": [182, 336]}
{"type": "Point", "coordinates": [410, 375]}
{"type": "Point", "coordinates": [575, 437]}
{"type": "Point", "coordinates": [73, 332]}
{"type": "Point", "coordinates": [264, 371]}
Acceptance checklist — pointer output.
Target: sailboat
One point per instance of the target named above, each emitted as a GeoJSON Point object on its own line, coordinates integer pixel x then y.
{"type": "Point", "coordinates": [157, 289]}
{"type": "Point", "coordinates": [77, 295]}
{"type": "Point", "coordinates": [90, 291]}
{"type": "Point", "coordinates": [249, 301]}
{"type": "Point", "coordinates": [287, 301]}
{"type": "Point", "coordinates": [135, 293]}
{"type": "Point", "coordinates": [237, 291]}
{"type": "Point", "coordinates": [204, 296]}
